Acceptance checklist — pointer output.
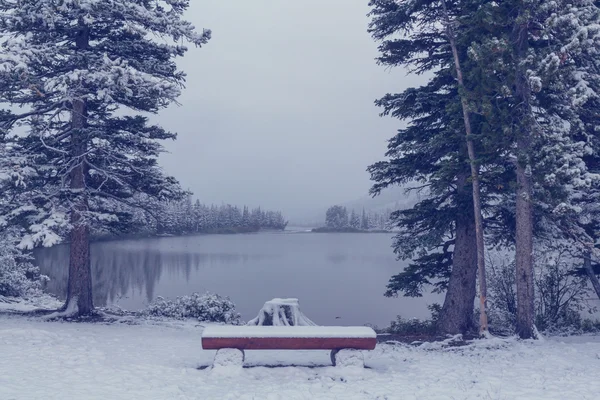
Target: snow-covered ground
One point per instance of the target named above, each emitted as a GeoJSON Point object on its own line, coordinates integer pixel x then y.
{"type": "Point", "coordinates": [156, 360]}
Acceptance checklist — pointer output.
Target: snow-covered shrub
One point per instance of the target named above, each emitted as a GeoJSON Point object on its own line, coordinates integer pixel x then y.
{"type": "Point", "coordinates": [18, 276]}
{"type": "Point", "coordinates": [206, 307]}
{"type": "Point", "coordinates": [590, 326]}
{"type": "Point", "coordinates": [415, 326]}
{"type": "Point", "coordinates": [502, 298]}
{"type": "Point", "coordinates": [560, 296]}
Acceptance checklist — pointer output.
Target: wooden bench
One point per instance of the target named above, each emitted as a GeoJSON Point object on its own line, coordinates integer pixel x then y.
{"type": "Point", "coordinates": [344, 342]}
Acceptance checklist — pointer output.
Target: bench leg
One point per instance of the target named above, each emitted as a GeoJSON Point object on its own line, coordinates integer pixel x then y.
{"type": "Point", "coordinates": [229, 357]}
{"type": "Point", "coordinates": [347, 358]}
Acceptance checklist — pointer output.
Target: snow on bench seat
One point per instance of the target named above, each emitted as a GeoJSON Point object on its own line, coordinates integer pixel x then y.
{"type": "Point", "coordinates": [288, 337]}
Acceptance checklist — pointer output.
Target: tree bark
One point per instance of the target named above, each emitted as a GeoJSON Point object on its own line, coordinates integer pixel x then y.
{"type": "Point", "coordinates": [480, 243]}
{"type": "Point", "coordinates": [457, 312]}
{"type": "Point", "coordinates": [79, 288]}
{"type": "Point", "coordinates": [524, 207]}
{"type": "Point", "coordinates": [587, 265]}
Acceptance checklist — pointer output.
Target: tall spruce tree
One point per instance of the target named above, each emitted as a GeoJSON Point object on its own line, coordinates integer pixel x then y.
{"type": "Point", "coordinates": [479, 234]}
{"type": "Point", "coordinates": [531, 80]}
{"type": "Point", "coordinates": [541, 77]}
{"type": "Point", "coordinates": [438, 233]}
{"type": "Point", "coordinates": [84, 73]}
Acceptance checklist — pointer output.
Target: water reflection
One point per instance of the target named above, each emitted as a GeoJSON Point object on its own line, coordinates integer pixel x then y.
{"type": "Point", "coordinates": [117, 271]}
{"type": "Point", "coordinates": [333, 275]}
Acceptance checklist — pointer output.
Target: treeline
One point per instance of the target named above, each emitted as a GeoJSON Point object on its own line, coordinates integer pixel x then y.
{"type": "Point", "coordinates": [338, 218]}
{"type": "Point", "coordinates": [185, 217]}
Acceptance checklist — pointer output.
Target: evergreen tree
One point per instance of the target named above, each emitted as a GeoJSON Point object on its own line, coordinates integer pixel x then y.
{"type": "Point", "coordinates": [479, 234]}
{"type": "Point", "coordinates": [74, 66]}
{"type": "Point", "coordinates": [541, 77]}
{"type": "Point", "coordinates": [246, 218]}
{"type": "Point", "coordinates": [364, 221]}
{"type": "Point", "coordinates": [354, 220]}
{"type": "Point", "coordinates": [336, 217]}
{"type": "Point", "coordinates": [531, 92]}
{"type": "Point", "coordinates": [438, 233]}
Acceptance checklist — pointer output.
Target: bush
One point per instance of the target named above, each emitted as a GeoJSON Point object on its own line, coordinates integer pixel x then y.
{"type": "Point", "coordinates": [560, 296]}
{"type": "Point", "coordinates": [18, 277]}
{"type": "Point", "coordinates": [415, 326]}
{"type": "Point", "coordinates": [204, 307]}
{"type": "Point", "coordinates": [590, 326]}
{"type": "Point", "coordinates": [502, 298]}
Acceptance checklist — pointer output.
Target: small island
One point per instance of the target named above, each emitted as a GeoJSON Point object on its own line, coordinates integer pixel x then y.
{"type": "Point", "coordinates": [338, 220]}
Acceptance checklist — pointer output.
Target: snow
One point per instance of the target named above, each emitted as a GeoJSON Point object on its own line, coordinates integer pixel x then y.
{"type": "Point", "coordinates": [44, 302]}
{"type": "Point", "coordinates": [288, 332]}
{"type": "Point", "coordinates": [281, 312]}
{"type": "Point", "coordinates": [349, 358]}
{"type": "Point", "coordinates": [70, 311]}
{"type": "Point", "coordinates": [152, 361]}
{"type": "Point", "coordinates": [228, 358]}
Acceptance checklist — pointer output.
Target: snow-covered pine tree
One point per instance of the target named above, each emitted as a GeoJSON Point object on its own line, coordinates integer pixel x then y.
{"type": "Point", "coordinates": [541, 86]}
{"type": "Point", "coordinates": [475, 174]}
{"type": "Point", "coordinates": [336, 217]}
{"type": "Point", "coordinates": [574, 31]}
{"type": "Point", "coordinates": [430, 155]}
{"type": "Point", "coordinates": [364, 221]}
{"type": "Point", "coordinates": [83, 73]}
{"type": "Point", "coordinates": [245, 217]}
{"type": "Point", "coordinates": [354, 220]}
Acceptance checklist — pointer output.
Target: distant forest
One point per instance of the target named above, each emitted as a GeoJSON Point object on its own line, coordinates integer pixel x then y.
{"type": "Point", "coordinates": [187, 217]}
{"type": "Point", "coordinates": [337, 218]}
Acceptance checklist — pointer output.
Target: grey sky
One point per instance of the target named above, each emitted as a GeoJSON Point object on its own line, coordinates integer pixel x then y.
{"type": "Point", "coordinates": [278, 109]}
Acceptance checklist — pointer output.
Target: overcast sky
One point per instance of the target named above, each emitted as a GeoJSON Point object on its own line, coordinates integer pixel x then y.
{"type": "Point", "coordinates": [278, 109]}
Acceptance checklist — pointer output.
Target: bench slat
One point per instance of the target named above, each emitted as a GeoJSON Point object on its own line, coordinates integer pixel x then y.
{"type": "Point", "coordinates": [288, 343]}
{"type": "Point", "coordinates": [221, 331]}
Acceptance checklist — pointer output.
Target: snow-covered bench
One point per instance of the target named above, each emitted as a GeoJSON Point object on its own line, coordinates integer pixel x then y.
{"type": "Point", "coordinates": [344, 342]}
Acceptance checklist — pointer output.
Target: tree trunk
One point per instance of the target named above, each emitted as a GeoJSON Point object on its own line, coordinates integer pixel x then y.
{"type": "Point", "coordinates": [457, 312]}
{"type": "Point", "coordinates": [524, 207]}
{"type": "Point", "coordinates": [79, 288]}
{"type": "Point", "coordinates": [524, 255]}
{"type": "Point", "coordinates": [483, 321]}
{"type": "Point", "coordinates": [587, 265]}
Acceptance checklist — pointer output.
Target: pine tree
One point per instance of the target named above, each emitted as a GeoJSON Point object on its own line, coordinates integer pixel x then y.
{"type": "Point", "coordinates": [246, 218]}
{"type": "Point", "coordinates": [438, 233]}
{"type": "Point", "coordinates": [336, 217]}
{"type": "Point", "coordinates": [354, 220]}
{"type": "Point", "coordinates": [480, 242]}
{"type": "Point", "coordinates": [74, 66]}
{"type": "Point", "coordinates": [540, 76]}
{"type": "Point", "coordinates": [364, 221]}
{"type": "Point", "coordinates": [532, 91]}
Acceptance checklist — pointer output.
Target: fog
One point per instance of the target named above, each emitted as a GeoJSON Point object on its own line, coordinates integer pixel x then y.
{"type": "Point", "coordinates": [279, 106]}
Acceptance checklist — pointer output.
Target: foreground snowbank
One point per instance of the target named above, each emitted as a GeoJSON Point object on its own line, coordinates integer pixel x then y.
{"type": "Point", "coordinates": [54, 360]}
{"type": "Point", "coordinates": [38, 302]}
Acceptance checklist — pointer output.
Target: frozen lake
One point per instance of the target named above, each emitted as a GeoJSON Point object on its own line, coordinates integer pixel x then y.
{"type": "Point", "coordinates": [339, 278]}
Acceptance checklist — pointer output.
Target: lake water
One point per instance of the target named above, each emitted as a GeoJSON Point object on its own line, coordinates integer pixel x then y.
{"type": "Point", "coordinates": [338, 278]}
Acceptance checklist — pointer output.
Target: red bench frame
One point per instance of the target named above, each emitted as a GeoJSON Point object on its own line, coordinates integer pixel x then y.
{"type": "Point", "coordinates": [289, 338]}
